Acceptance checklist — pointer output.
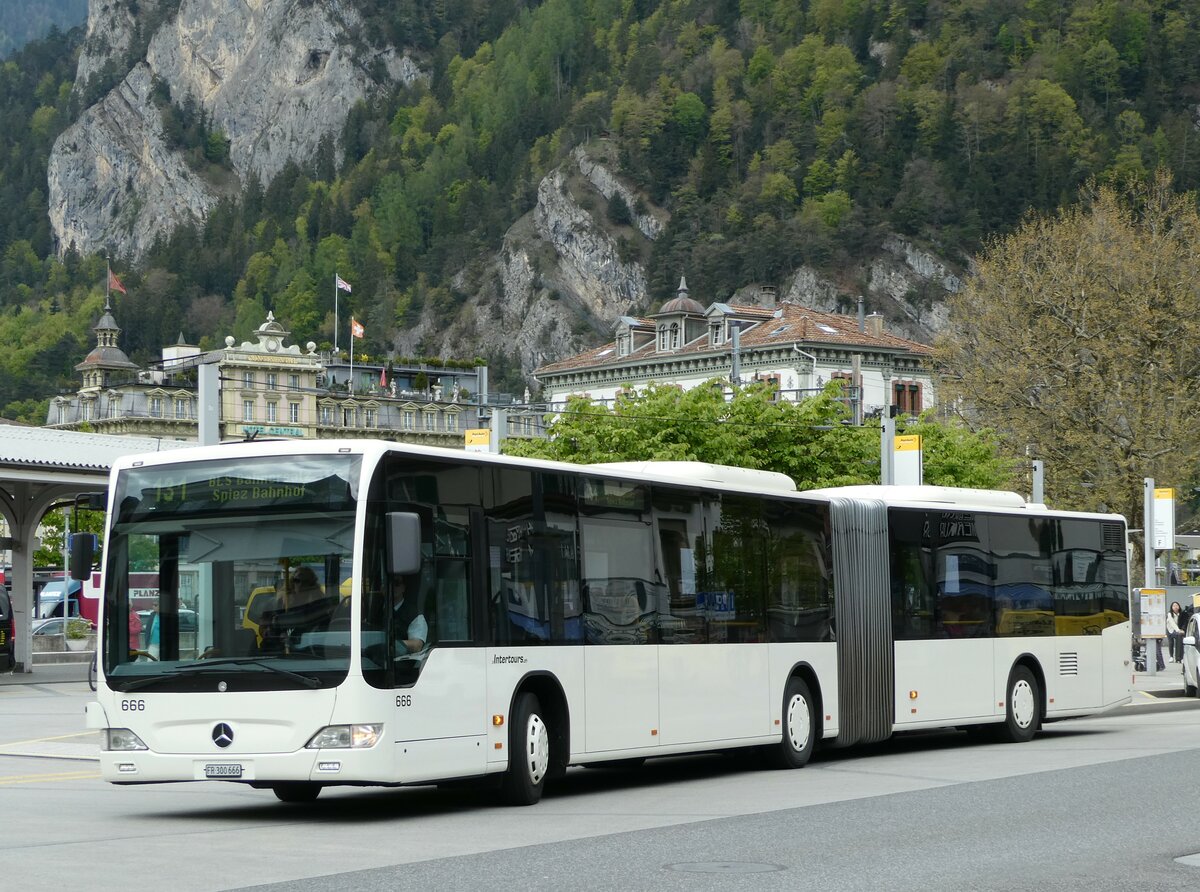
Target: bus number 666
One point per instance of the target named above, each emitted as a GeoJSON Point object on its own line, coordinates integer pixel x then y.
{"type": "Point", "coordinates": [404, 699]}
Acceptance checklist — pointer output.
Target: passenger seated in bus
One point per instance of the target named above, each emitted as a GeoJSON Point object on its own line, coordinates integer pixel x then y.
{"type": "Point", "coordinates": [308, 609]}
{"type": "Point", "coordinates": [411, 629]}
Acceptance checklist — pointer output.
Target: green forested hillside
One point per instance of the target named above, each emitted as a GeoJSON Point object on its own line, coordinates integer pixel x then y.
{"type": "Point", "coordinates": [25, 20]}
{"type": "Point", "coordinates": [775, 132]}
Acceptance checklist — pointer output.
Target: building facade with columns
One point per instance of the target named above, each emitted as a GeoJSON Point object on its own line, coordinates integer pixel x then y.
{"type": "Point", "coordinates": [797, 348]}
{"type": "Point", "coordinates": [269, 388]}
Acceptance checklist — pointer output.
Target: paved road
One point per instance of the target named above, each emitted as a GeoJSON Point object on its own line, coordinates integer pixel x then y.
{"type": "Point", "coordinates": [1096, 803]}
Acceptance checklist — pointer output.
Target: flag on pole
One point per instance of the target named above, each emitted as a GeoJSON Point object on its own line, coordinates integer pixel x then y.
{"type": "Point", "coordinates": [339, 282]}
{"type": "Point", "coordinates": [114, 283]}
{"type": "Point", "coordinates": [383, 377]}
{"type": "Point", "coordinates": [356, 329]}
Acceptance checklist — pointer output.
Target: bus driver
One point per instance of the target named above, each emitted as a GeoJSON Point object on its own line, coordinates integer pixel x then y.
{"type": "Point", "coordinates": [411, 629]}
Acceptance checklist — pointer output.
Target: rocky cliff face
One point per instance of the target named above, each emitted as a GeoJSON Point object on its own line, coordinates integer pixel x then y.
{"type": "Point", "coordinates": [559, 283]}
{"type": "Point", "coordinates": [275, 76]}
{"type": "Point", "coordinates": [556, 286]}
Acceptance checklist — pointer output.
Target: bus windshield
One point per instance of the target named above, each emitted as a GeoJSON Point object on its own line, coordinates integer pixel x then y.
{"type": "Point", "coordinates": [231, 573]}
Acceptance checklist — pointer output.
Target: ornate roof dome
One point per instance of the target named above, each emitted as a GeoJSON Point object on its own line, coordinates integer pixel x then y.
{"type": "Point", "coordinates": [681, 303]}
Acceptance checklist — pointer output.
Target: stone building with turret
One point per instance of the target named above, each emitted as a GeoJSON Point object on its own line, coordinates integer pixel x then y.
{"type": "Point", "coordinates": [269, 388]}
{"type": "Point", "coordinates": [796, 348]}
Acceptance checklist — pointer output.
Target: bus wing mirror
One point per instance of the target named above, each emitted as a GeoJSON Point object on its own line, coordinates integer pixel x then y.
{"type": "Point", "coordinates": [403, 543]}
{"type": "Point", "coordinates": [83, 554]}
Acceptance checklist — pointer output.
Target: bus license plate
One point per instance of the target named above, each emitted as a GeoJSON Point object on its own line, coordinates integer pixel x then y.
{"type": "Point", "coordinates": [222, 770]}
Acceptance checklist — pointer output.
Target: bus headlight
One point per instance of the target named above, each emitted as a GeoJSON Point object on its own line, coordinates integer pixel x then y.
{"type": "Point", "coordinates": [334, 737]}
{"type": "Point", "coordinates": [120, 740]}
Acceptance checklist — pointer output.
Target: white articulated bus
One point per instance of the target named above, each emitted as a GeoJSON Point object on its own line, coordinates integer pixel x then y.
{"type": "Point", "coordinates": [472, 615]}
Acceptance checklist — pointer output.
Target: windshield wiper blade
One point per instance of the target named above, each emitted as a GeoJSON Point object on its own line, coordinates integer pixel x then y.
{"type": "Point", "coordinates": [202, 669]}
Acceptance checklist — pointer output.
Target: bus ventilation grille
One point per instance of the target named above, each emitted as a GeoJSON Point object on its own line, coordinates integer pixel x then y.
{"type": "Point", "coordinates": [1113, 537]}
{"type": "Point", "coordinates": [1068, 664]}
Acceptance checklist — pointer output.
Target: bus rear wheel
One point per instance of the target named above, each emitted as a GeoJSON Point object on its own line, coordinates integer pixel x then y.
{"type": "Point", "coordinates": [799, 727]}
{"type": "Point", "coordinates": [528, 752]}
{"type": "Point", "coordinates": [1023, 713]}
{"type": "Point", "coordinates": [296, 791]}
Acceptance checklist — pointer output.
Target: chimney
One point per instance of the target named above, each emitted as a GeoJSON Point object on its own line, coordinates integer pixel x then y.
{"type": "Point", "coordinates": [861, 323]}
{"type": "Point", "coordinates": [769, 297]}
{"type": "Point", "coordinates": [874, 324]}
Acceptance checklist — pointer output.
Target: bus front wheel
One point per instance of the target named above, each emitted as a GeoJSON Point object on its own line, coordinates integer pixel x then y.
{"type": "Point", "coordinates": [799, 727]}
{"type": "Point", "coordinates": [296, 791]}
{"type": "Point", "coordinates": [528, 752]}
{"type": "Point", "coordinates": [1022, 715]}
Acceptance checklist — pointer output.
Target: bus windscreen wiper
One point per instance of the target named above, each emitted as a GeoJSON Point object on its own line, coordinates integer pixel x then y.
{"type": "Point", "coordinates": [307, 680]}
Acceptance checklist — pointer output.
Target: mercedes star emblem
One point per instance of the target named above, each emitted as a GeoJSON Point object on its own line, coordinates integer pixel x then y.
{"type": "Point", "coordinates": [222, 735]}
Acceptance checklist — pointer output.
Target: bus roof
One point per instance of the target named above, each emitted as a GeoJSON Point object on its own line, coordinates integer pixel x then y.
{"type": "Point", "coordinates": [676, 472]}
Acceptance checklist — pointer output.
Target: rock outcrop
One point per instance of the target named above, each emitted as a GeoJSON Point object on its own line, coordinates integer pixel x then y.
{"type": "Point", "coordinates": [276, 77]}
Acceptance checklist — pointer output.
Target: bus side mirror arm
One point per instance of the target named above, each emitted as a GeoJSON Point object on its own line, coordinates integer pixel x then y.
{"type": "Point", "coordinates": [403, 543]}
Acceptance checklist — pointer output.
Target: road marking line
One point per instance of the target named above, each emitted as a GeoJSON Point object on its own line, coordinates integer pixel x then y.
{"type": "Point", "coordinates": [45, 739]}
{"type": "Point", "coordinates": [49, 778]}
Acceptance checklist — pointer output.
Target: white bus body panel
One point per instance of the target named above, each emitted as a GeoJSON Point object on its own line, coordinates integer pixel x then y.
{"type": "Point", "coordinates": [439, 725]}
{"type": "Point", "coordinates": [713, 692]}
{"type": "Point", "coordinates": [621, 710]}
{"type": "Point", "coordinates": [952, 679]}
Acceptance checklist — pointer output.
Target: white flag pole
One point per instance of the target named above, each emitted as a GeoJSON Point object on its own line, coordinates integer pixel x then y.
{"type": "Point", "coordinates": [350, 384]}
{"type": "Point", "coordinates": [335, 318]}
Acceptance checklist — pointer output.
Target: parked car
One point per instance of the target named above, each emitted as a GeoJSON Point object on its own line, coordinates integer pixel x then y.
{"type": "Point", "coordinates": [54, 625]}
{"type": "Point", "coordinates": [1191, 643]}
{"type": "Point", "coordinates": [8, 632]}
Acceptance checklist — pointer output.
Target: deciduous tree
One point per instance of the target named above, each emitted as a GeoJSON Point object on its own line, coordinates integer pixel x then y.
{"type": "Point", "coordinates": [1078, 340]}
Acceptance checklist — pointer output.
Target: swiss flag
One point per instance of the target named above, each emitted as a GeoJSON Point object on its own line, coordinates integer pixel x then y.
{"type": "Point", "coordinates": [356, 329]}
{"type": "Point", "coordinates": [114, 283]}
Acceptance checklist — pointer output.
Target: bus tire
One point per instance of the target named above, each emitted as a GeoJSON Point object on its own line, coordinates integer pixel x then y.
{"type": "Point", "coordinates": [528, 752]}
{"type": "Point", "coordinates": [799, 727]}
{"type": "Point", "coordinates": [296, 791]}
{"type": "Point", "coordinates": [1023, 710]}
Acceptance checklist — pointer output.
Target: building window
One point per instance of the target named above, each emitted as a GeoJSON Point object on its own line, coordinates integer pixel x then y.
{"type": "Point", "coordinates": [907, 397]}
{"type": "Point", "coordinates": [716, 334]}
{"type": "Point", "coordinates": [430, 421]}
{"type": "Point", "coordinates": [86, 406]}
{"type": "Point", "coordinates": [622, 345]}
{"type": "Point", "coordinates": [272, 380]}
{"type": "Point", "coordinates": [369, 418]}
{"type": "Point", "coordinates": [663, 334]}
{"type": "Point", "coordinates": [348, 419]}
{"type": "Point", "coordinates": [674, 335]}
{"type": "Point", "coordinates": [247, 379]}
{"type": "Point", "coordinates": [294, 413]}
{"type": "Point", "coordinates": [327, 415]}
{"type": "Point", "coordinates": [247, 410]}
{"type": "Point", "coordinates": [272, 412]}
{"type": "Point", "coordinates": [156, 408]}
{"type": "Point", "coordinates": [407, 418]}
{"type": "Point", "coordinates": [452, 423]}
{"type": "Point", "coordinates": [181, 409]}
{"type": "Point", "coordinates": [62, 413]}
{"type": "Point", "coordinates": [294, 382]}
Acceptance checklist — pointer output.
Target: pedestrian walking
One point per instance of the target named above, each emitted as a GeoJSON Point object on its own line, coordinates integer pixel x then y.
{"type": "Point", "coordinates": [1175, 623]}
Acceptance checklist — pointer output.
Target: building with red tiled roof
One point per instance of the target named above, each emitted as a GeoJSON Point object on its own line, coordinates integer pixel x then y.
{"type": "Point", "coordinates": [798, 348]}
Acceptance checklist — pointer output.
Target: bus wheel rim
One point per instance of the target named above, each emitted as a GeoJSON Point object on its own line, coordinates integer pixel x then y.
{"type": "Point", "coordinates": [798, 722]}
{"type": "Point", "coordinates": [537, 749]}
{"type": "Point", "coordinates": [1022, 703]}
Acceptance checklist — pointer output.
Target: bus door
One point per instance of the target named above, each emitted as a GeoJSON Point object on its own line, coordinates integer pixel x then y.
{"type": "Point", "coordinates": [621, 672]}
{"type": "Point", "coordinates": [944, 580]}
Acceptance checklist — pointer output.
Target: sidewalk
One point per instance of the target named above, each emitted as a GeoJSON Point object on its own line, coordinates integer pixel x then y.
{"type": "Point", "coordinates": [1165, 685]}
{"type": "Point", "coordinates": [47, 673]}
